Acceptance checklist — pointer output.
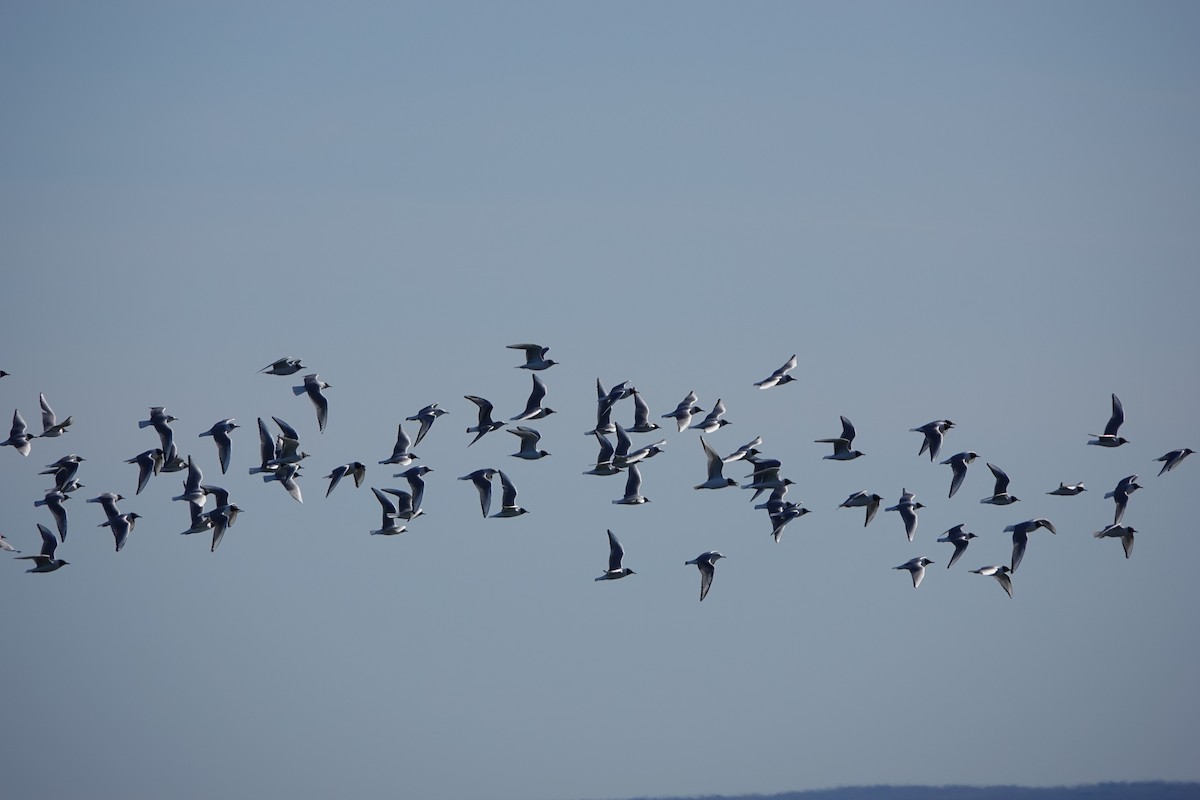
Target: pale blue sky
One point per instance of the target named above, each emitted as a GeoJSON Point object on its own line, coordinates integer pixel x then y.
{"type": "Point", "coordinates": [985, 212]}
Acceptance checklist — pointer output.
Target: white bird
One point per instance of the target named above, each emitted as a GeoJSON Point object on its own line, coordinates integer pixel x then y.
{"type": "Point", "coordinates": [18, 438]}
{"type": "Point", "coordinates": [283, 366]}
{"type": "Point", "coordinates": [426, 417]}
{"type": "Point", "coordinates": [1000, 573]}
{"type": "Point", "coordinates": [121, 526]}
{"type": "Point", "coordinates": [1000, 495]}
{"type": "Point", "coordinates": [604, 460]}
{"type": "Point", "coordinates": [388, 527]}
{"type": "Point", "coordinates": [192, 492]}
{"type": "Point", "coordinates": [221, 518]}
{"type": "Point", "coordinates": [401, 454]}
{"type": "Point", "coordinates": [908, 511]}
{"type": "Point", "coordinates": [1171, 460]}
{"type": "Point", "coordinates": [706, 563]}
{"type": "Point", "coordinates": [54, 502]}
{"type": "Point", "coordinates": [1020, 536]}
{"type": "Point", "coordinates": [355, 469]}
{"type": "Point", "coordinates": [63, 470]}
{"type": "Point", "coordinates": [684, 411]}
{"type": "Point", "coordinates": [287, 475]}
{"type": "Point", "coordinates": [642, 453]}
{"type": "Point", "coordinates": [641, 415]}
{"type": "Point", "coordinates": [862, 499]}
{"type": "Point", "coordinates": [416, 484]}
{"type": "Point", "coordinates": [1122, 532]}
{"type": "Point", "coordinates": [533, 406]}
{"type": "Point", "coordinates": [486, 423]}
{"type": "Point", "coordinates": [615, 554]}
{"type": "Point", "coordinates": [529, 441]}
{"type": "Point", "coordinates": [535, 356]}
{"type": "Point", "coordinates": [108, 503]}
{"type": "Point", "coordinates": [841, 444]}
{"type": "Point", "coordinates": [713, 421]}
{"type": "Point", "coordinates": [916, 567]}
{"type": "Point", "coordinates": [482, 478]}
{"type": "Point", "coordinates": [161, 421]}
{"type": "Point", "coordinates": [934, 432]}
{"type": "Point", "coordinates": [633, 489]}
{"type": "Point", "coordinates": [779, 376]}
{"type": "Point", "coordinates": [958, 463]}
{"type": "Point", "coordinates": [1109, 438]}
{"type": "Point", "coordinates": [405, 509]}
{"type": "Point", "coordinates": [220, 435]}
{"type": "Point", "coordinates": [508, 498]}
{"type": "Point", "coordinates": [716, 480]}
{"type": "Point", "coordinates": [1068, 489]}
{"type": "Point", "coordinates": [783, 515]}
{"type": "Point", "coordinates": [51, 427]}
{"type": "Point", "coordinates": [960, 539]}
{"type": "Point", "coordinates": [1120, 496]}
{"type": "Point", "coordinates": [312, 387]}
{"type": "Point", "coordinates": [4, 545]}
{"type": "Point", "coordinates": [45, 561]}
{"type": "Point", "coordinates": [743, 451]}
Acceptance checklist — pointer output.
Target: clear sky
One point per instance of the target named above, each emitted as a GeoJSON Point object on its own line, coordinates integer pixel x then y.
{"type": "Point", "coordinates": [981, 212]}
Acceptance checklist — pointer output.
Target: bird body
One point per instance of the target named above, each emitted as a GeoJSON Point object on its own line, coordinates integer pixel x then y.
{"type": "Point", "coordinates": [908, 511]}
{"type": "Point", "coordinates": [616, 554]}
{"type": "Point", "coordinates": [916, 568]}
{"type": "Point", "coordinates": [1110, 438]}
{"type": "Point", "coordinates": [706, 563]}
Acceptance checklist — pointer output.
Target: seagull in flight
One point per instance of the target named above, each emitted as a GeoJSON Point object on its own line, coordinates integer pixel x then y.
{"type": "Point", "coordinates": [312, 387]}
{"type": "Point", "coordinates": [934, 432]}
{"type": "Point", "coordinates": [841, 444]}
{"type": "Point", "coordinates": [1109, 438]}
{"type": "Point", "coordinates": [426, 417]}
{"type": "Point", "coordinates": [1122, 532]}
{"type": "Point", "coordinates": [908, 511]}
{"type": "Point", "coordinates": [18, 437]}
{"type": "Point", "coordinates": [641, 415]}
{"type": "Point", "coordinates": [1020, 536]}
{"type": "Point", "coordinates": [482, 478]}
{"type": "Point", "coordinates": [716, 480]}
{"type": "Point", "coordinates": [779, 376]}
{"type": "Point", "coordinates": [706, 563]}
{"type": "Point", "coordinates": [535, 356]}
{"type": "Point", "coordinates": [960, 539]}
{"type": "Point", "coordinates": [1068, 489]}
{"type": "Point", "coordinates": [1001, 573]}
{"type": "Point", "coordinates": [533, 406]}
{"type": "Point", "coordinates": [1000, 495]}
{"type": "Point", "coordinates": [959, 463]}
{"type": "Point", "coordinates": [388, 527]}
{"type": "Point", "coordinates": [401, 454]}
{"type": "Point", "coordinates": [684, 411]}
{"type": "Point", "coordinates": [615, 555]}
{"type": "Point", "coordinates": [355, 469]}
{"type": "Point", "coordinates": [51, 427]}
{"type": "Point", "coordinates": [1171, 460]}
{"type": "Point", "coordinates": [1120, 495]}
{"type": "Point", "coordinates": [220, 434]}
{"type": "Point", "coordinates": [486, 423]}
{"type": "Point", "coordinates": [529, 443]}
{"type": "Point", "coordinates": [862, 499]}
{"type": "Point", "coordinates": [45, 561]}
{"type": "Point", "coordinates": [916, 567]}
{"type": "Point", "coordinates": [283, 366]}
{"type": "Point", "coordinates": [508, 498]}
{"type": "Point", "coordinates": [633, 489]}
{"type": "Point", "coordinates": [713, 421]}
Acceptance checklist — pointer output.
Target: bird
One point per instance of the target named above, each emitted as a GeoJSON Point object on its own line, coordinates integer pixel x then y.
{"type": "Point", "coordinates": [934, 432]}
{"type": "Point", "coordinates": [486, 423]}
{"type": "Point", "coordinates": [1109, 438]}
{"type": "Point", "coordinates": [388, 527]}
{"type": "Point", "coordinates": [916, 567]}
{"type": "Point", "coordinates": [192, 493]}
{"type": "Point", "coordinates": [108, 503]}
{"type": "Point", "coordinates": [283, 366]}
{"type": "Point", "coordinates": [604, 460]}
{"type": "Point", "coordinates": [633, 489]}
{"type": "Point", "coordinates": [1000, 495]}
{"type": "Point", "coordinates": [51, 427]}
{"type": "Point", "coordinates": [529, 441]}
{"type": "Point", "coordinates": [508, 498]}
{"type": "Point", "coordinates": [18, 437]}
{"type": "Point", "coordinates": [615, 555]}
{"type": "Point", "coordinates": [750, 447]}
{"type": "Point", "coordinates": [401, 454]}
{"type": "Point", "coordinates": [1120, 496]}
{"type": "Point", "coordinates": [1001, 573]}
{"type": "Point", "coordinates": [405, 509]}
{"type": "Point", "coordinates": [643, 453]}
{"type": "Point", "coordinates": [1171, 460]}
{"type": "Point", "coordinates": [862, 499]}
{"type": "Point", "coordinates": [1020, 536]}
{"type": "Point", "coordinates": [220, 434]}
{"type": "Point", "coordinates": [1068, 489]}
{"type": "Point", "coordinates": [841, 444]}
{"type": "Point", "coordinates": [605, 400]}
{"type": "Point", "coordinates": [416, 483]}
{"type": "Point", "coordinates": [482, 478]}
{"type": "Point", "coordinates": [4, 543]}
{"type": "Point", "coordinates": [641, 415]}
{"type": "Point", "coordinates": [426, 417]}
{"type": "Point", "coordinates": [785, 514]}
{"type": "Point", "coordinates": [287, 475]}
{"type": "Point", "coordinates": [121, 526]}
{"type": "Point", "coordinates": [959, 463]}
{"type": "Point", "coordinates": [765, 476]}
{"type": "Point", "coordinates": [533, 406]}
{"type": "Point", "coordinates": [535, 356]}
{"type": "Point", "coordinates": [63, 470]}
{"type": "Point", "coordinates": [779, 376]}
{"type": "Point", "coordinates": [713, 421]}
{"type": "Point", "coordinates": [221, 518]}
{"type": "Point", "coordinates": [684, 411]}
{"type": "Point", "coordinates": [1122, 532]}
{"type": "Point", "coordinates": [908, 511]}
{"type": "Point", "coordinates": [54, 502]}
{"type": "Point", "coordinates": [161, 421]}
{"type": "Point", "coordinates": [716, 480]}
{"type": "Point", "coordinates": [355, 469]}
{"type": "Point", "coordinates": [45, 561]}
{"type": "Point", "coordinates": [312, 387]}
{"type": "Point", "coordinates": [706, 563]}
{"type": "Point", "coordinates": [960, 539]}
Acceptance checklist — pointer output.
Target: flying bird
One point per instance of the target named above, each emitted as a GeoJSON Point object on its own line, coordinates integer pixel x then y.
{"type": "Point", "coordinates": [192, 492]}
{"type": "Point", "coordinates": [1020, 536]}
{"type": "Point", "coordinates": [508, 498]}
{"type": "Point", "coordinates": [426, 417]}
{"type": "Point", "coordinates": [405, 508]}
{"type": "Point", "coordinates": [108, 503]}
{"type": "Point", "coordinates": [787, 512]}
{"type": "Point", "coordinates": [51, 427]}
{"type": "Point", "coordinates": [1001, 573]}
{"type": "Point", "coordinates": [713, 421]}
{"type": "Point", "coordinates": [1120, 496]}
{"type": "Point", "coordinates": [312, 387]}
{"type": "Point", "coordinates": [933, 432]}
{"type": "Point", "coordinates": [960, 539]}
{"type": "Point", "coordinates": [779, 376]}
{"type": "Point", "coordinates": [1109, 438]}
{"type": "Point", "coordinates": [535, 356]}
{"type": "Point", "coordinates": [401, 454]}
{"type": "Point", "coordinates": [287, 475]}
{"type": "Point", "coordinates": [529, 443]}
{"type": "Point", "coordinates": [862, 499]}
{"type": "Point", "coordinates": [533, 406]}
{"type": "Point", "coordinates": [908, 511]}
{"type": "Point", "coordinates": [19, 438]}
{"type": "Point", "coordinates": [633, 489]}
{"type": "Point", "coordinates": [716, 480]}
{"type": "Point", "coordinates": [1000, 495]}
{"type": "Point", "coordinates": [53, 501]}
{"type": "Point", "coordinates": [841, 444]}
{"type": "Point", "coordinates": [388, 527]}
{"type": "Point", "coordinates": [706, 563]}
{"type": "Point", "coordinates": [486, 423]}
{"type": "Point", "coordinates": [641, 415]}
{"type": "Point", "coordinates": [916, 567]}
{"type": "Point", "coordinates": [283, 366]}
{"type": "Point", "coordinates": [416, 484]}
{"type": "Point", "coordinates": [684, 411]}
{"type": "Point", "coordinates": [482, 478]}
{"type": "Point", "coordinates": [1171, 460]}
{"type": "Point", "coordinates": [1068, 489]}
{"type": "Point", "coordinates": [121, 526]}
{"type": "Point", "coordinates": [45, 561]}
{"type": "Point", "coordinates": [615, 555]}
{"type": "Point", "coordinates": [958, 464]}
{"type": "Point", "coordinates": [355, 469]}
{"type": "Point", "coordinates": [220, 435]}
{"type": "Point", "coordinates": [161, 421]}
{"type": "Point", "coordinates": [605, 459]}
{"type": "Point", "coordinates": [4, 545]}
{"type": "Point", "coordinates": [1122, 532]}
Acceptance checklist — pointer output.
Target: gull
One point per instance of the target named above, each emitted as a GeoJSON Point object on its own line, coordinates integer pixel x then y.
{"type": "Point", "coordinates": [535, 356]}
{"type": "Point", "coordinates": [161, 421]}
{"type": "Point", "coordinates": [482, 478]}
{"type": "Point", "coordinates": [1068, 489]}
{"type": "Point", "coordinates": [1120, 495]}
{"type": "Point", "coordinates": [54, 501]}
{"type": "Point", "coordinates": [958, 463]}
{"type": "Point", "coordinates": [404, 504]}
{"type": "Point", "coordinates": [283, 366]}
{"type": "Point", "coordinates": [51, 427]}
{"type": "Point", "coordinates": [1020, 536]}
{"type": "Point", "coordinates": [18, 437]}
{"type": "Point", "coordinates": [1000, 495]}
{"type": "Point", "coordinates": [604, 461]}
{"type": "Point", "coordinates": [45, 562]}
{"type": "Point", "coordinates": [960, 539]}
{"type": "Point", "coordinates": [779, 376]}
{"type": "Point", "coordinates": [1122, 532]}
{"type": "Point", "coordinates": [219, 519]}
{"type": "Point", "coordinates": [508, 498]}
{"type": "Point", "coordinates": [916, 567]}
{"type": "Point", "coordinates": [192, 493]}
{"type": "Point", "coordinates": [220, 434]}
{"type": "Point", "coordinates": [641, 415]}
{"type": "Point", "coordinates": [621, 451]}
{"type": "Point", "coordinates": [266, 449]}
{"type": "Point", "coordinates": [642, 453]}
{"type": "Point", "coordinates": [1000, 573]}
{"type": "Point", "coordinates": [1171, 460]}
{"type": "Point", "coordinates": [174, 464]}
{"type": "Point", "coordinates": [604, 405]}
{"type": "Point", "coordinates": [529, 442]}
{"type": "Point", "coordinates": [414, 476]}
{"type": "Point", "coordinates": [401, 455]}
{"type": "Point", "coordinates": [633, 489]}
{"type": "Point", "coordinates": [1109, 438]}
{"type": "Point", "coordinates": [743, 451]}
{"type": "Point", "coordinates": [706, 563]}
{"type": "Point", "coordinates": [615, 554]}
{"type": "Point", "coordinates": [713, 421]}
{"type": "Point", "coordinates": [908, 511]}
{"type": "Point", "coordinates": [934, 432]}
{"type": "Point", "coordinates": [775, 503]}
{"type": "Point", "coordinates": [486, 423]}
{"type": "Point", "coordinates": [355, 469]}
{"type": "Point", "coordinates": [149, 462]}
{"type": "Point", "coordinates": [861, 499]}
{"type": "Point", "coordinates": [426, 416]}
{"type": "Point", "coordinates": [765, 476]}
{"type": "Point", "coordinates": [388, 526]}
{"type": "Point", "coordinates": [108, 503]}
{"type": "Point", "coordinates": [121, 526]}
{"type": "Point", "coordinates": [4, 545]}
{"type": "Point", "coordinates": [715, 479]}
{"type": "Point", "coordinates": [684, 411]}
{"type": "Point", "coordinates": [63, 470]}
{"type": "Point", "coordinates": [841, 445]}
{"type": "Point", "coordinates": [287, 451]}
{"type": "Point", "coordinates": [785, 514]}
{"type": "Point", "coordinates": [533, 406]}
{"type": "Point", "coordinates": [312, 387]}
{"type": "Point", "coordinates": [287, 474]}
